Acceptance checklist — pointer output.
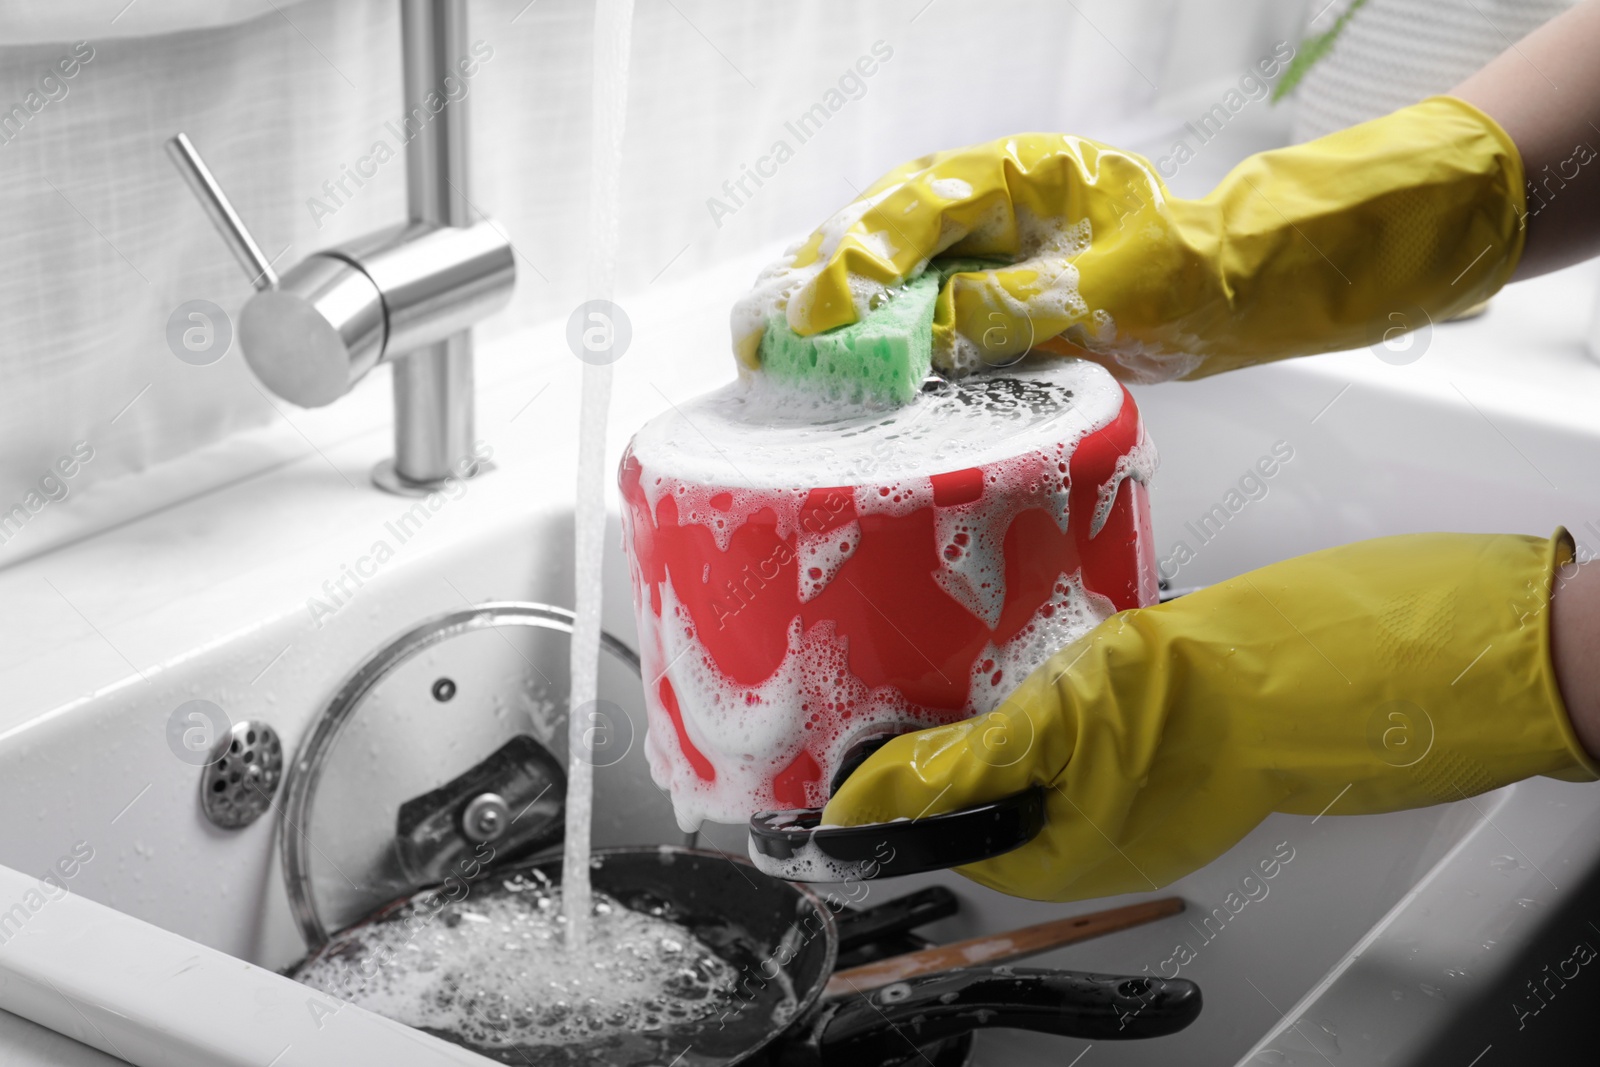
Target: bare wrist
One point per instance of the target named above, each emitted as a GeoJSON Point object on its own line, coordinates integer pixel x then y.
{"type": "Point", "coordinates": [1575, 649]}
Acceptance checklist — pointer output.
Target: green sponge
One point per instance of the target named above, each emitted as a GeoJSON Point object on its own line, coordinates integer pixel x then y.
{"type": "Point", "coordinates": [883, 358]}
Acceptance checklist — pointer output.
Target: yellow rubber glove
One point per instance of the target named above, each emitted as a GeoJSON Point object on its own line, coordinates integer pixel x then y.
{"type": "Point", "coordinates": [1382, 675]}
{"type": "Point", "coordinates": [1311, 248]}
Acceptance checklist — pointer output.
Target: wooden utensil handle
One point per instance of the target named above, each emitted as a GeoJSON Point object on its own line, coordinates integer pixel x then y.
{"type": "Point", "coordinates": [1000, 948]}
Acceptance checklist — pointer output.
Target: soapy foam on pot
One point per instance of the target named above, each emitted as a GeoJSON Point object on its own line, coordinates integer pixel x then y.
{"type": "Point", "coordinates": [970, 536]}
{"type": "Point", "coordinates": [750, 733]}
{"type": "Point", "coordinates": [1071, 612]}
{"type": "Point", "coordinates": [821, 556]}
{"type": "Point", "coordinates": [758, 435]}
{"type": "Point", "coordinates": [493, 969]}
{"type": "Point", "coordinates": [894, 498]}
{"type": "Point", "coordinates": [719, 510]}
{"type": "Point", "coordinates": [1021, 430]}
{"type": "Point", "coordinates": [1139, 464]}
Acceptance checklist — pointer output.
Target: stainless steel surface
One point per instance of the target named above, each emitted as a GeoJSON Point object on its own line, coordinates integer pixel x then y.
{"type": "Point", "coordinates": [300, 790]}
{"type": "Point", "coordinates": [486, 818]}
{"type": "Point", "coordinates": [436, 280]}
{"type": "Point", "coordinates": [433, 404]}
{"type": "Point", "coordinates": [216, 204]}
{"type": "Point", "coordinates": [236, 788]}
{"type": "Point", "coordinates": [433, 413]}
{"type": "Point", "coordinates": [315, 335]}
{"type": "Point", "coordinates": [409, 294]}
{"type": "Point", "coordinates": [385, 477]}
{"type": "Point", "coordinates": [437, 834]}
{"type": "Point", "coordinates": [433, 39]}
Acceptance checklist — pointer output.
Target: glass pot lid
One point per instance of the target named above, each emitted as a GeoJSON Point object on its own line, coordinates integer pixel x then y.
{"type": "Point", "coordinates": [445, 752]}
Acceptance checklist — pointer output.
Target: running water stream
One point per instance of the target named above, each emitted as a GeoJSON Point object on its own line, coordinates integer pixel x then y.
{"type": "Point", "coordinates": [613, 23]}
{"type": "Point", "coordinates": [522, 970]}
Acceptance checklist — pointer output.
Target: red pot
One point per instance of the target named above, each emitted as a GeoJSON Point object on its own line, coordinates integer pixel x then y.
{"type": "Point", "coordinates": [789, 608]}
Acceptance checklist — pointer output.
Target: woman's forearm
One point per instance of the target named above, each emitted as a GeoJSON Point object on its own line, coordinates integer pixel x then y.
{"type": "Point", "coordinates": [1545, 91]}
{"type": "Point", "coordinates": [1575, 647]}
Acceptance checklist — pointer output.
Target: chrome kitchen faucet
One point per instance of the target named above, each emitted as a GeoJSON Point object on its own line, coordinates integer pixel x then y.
{"type": "Point", "coordinates": [408, 295]}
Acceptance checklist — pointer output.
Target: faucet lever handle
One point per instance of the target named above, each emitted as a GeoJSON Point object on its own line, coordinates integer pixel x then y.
{"type": "Point", "coordinates": [216, 204]}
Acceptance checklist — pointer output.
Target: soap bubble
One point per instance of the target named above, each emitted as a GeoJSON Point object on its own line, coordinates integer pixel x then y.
{"type": "Point", "coordinates": [495, 971]}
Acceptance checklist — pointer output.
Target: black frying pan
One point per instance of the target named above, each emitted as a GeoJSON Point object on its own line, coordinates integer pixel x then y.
{"type": "Point", "coordinates": [783, 939]}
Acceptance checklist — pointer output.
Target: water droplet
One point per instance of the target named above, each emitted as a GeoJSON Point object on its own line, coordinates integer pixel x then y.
{"type": "Point", "coordinates": [1432, 991]}
{"type": "Point", "coordinates": [1506, 864]}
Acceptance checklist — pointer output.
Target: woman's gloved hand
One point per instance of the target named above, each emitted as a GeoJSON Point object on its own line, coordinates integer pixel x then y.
{"type": "Point", "coordinates": [1382, 675]}
{"type": "Point", "coordinates": [1311, 248]}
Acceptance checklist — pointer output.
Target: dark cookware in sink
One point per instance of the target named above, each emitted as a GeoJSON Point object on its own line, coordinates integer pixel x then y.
{"type": "Point", "coordinates": [783, 940]}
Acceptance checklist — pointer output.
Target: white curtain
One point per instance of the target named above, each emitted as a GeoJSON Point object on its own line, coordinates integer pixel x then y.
{"type": "Point", "coordinates": [1392, 53]}
{"type": "Point", "coordinates": [100, 241]}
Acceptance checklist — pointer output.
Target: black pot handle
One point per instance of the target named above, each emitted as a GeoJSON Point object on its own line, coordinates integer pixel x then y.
{"type": "Point", "coordinates": [890, 1023]}
{"type": "Point", "coordinates": [792, 845]}
{"type": "Point", "coordinates": [893, 918]}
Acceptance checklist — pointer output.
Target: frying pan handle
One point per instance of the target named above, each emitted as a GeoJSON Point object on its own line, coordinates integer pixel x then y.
{"type": "Point", "coordinates": [894, 917]}
{"type": "Point", "coordinates": [794, 846]}
{"type": "Point", "coordinates": [882, 1025]}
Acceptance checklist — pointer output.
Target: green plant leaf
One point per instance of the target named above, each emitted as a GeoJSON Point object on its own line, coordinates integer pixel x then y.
{"type": "Point", "coordinates": [1311, 50]}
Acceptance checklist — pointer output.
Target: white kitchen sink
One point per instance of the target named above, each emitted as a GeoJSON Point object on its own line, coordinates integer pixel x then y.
{"type": "Point", "coordinates": [1367, 943]}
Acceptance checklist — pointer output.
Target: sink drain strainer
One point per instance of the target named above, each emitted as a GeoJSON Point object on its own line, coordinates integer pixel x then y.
{"type": "Point", "coordinates": [237, 786]}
